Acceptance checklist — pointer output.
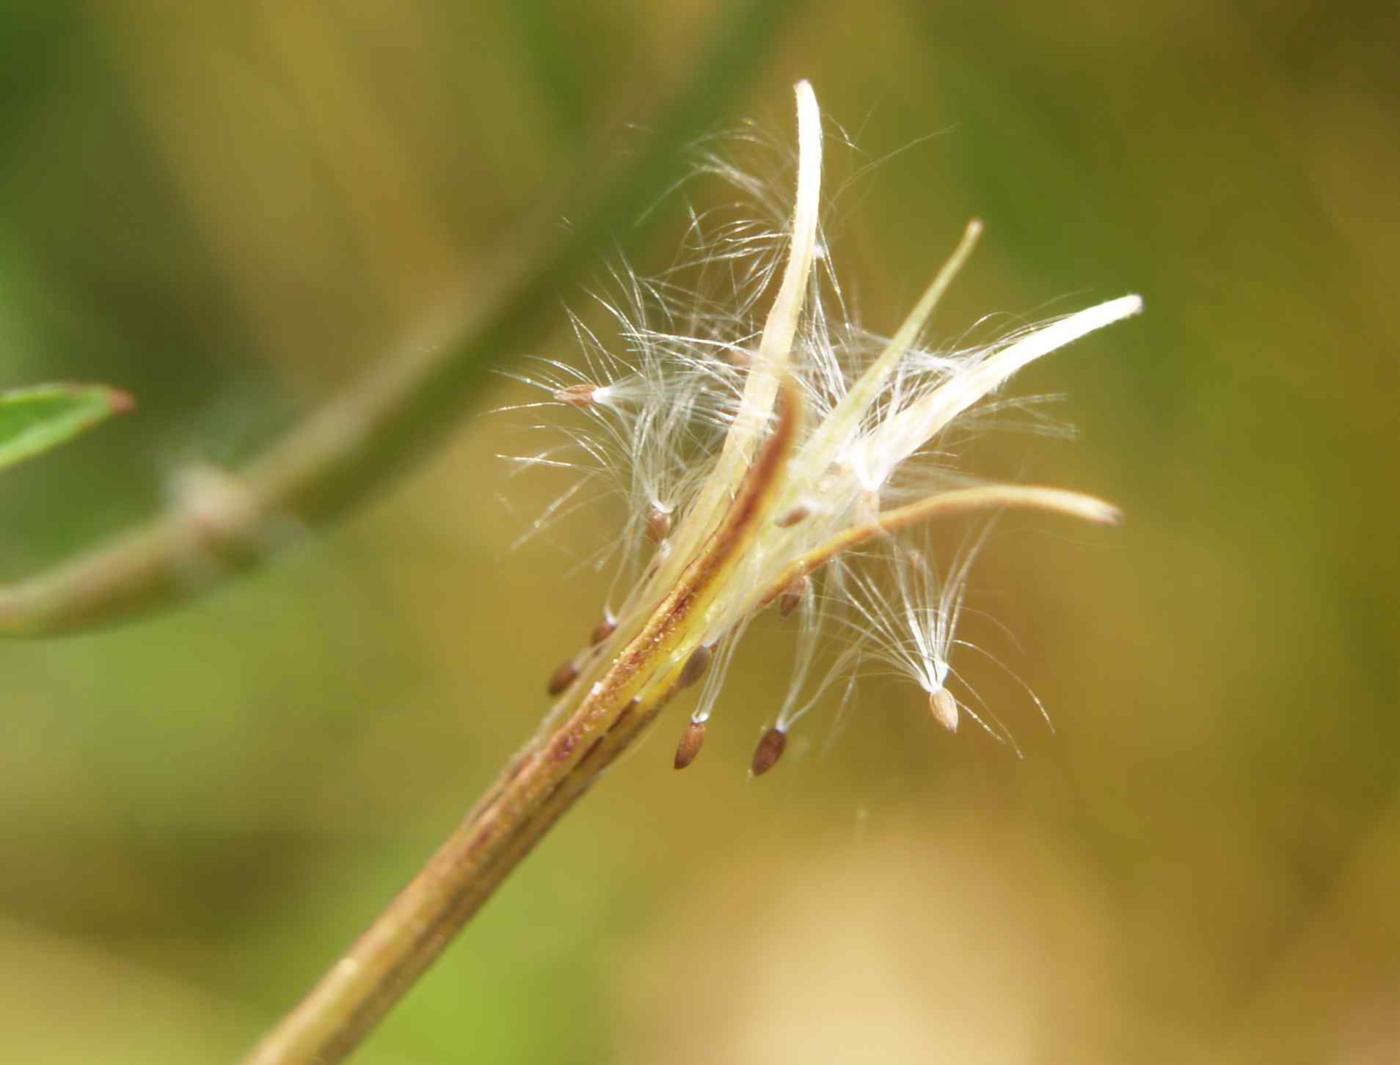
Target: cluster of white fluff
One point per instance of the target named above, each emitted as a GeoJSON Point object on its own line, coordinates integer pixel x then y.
{"type": "Point", "coordinates": [670, 420]}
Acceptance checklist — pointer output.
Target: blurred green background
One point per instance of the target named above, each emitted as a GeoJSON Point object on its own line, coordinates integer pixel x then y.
{"type": "Point", "coordinates": [230, 207]}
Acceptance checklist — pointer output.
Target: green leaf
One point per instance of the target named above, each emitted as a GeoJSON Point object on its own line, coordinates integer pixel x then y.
{"type": "Point", "coordinates": [34, 419]}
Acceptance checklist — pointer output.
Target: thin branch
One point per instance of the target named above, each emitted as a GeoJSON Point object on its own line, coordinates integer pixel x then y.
{"type": "Point", "coordinates": [360, 440]}
{"type": "Point", "coordinates": [943, 504]}
{"type": "Point", "coordinates": [542, 783]}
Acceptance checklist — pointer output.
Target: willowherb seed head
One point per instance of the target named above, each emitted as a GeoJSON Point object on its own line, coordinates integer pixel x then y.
{"type": "Point", "coordinates": [767, 451]}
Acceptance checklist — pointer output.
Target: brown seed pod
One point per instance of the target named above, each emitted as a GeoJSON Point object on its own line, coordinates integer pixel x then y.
{"type": "Point", "coordinates": [692, 739]}
{"type": "Point", "coordinates": [562, 677]}
{"type": "Point", "coordinates": [695, 666]}
{"type": "Point", "coordinates": [768, 751]}
{"type": "Point", "coordinates": [944, 709]}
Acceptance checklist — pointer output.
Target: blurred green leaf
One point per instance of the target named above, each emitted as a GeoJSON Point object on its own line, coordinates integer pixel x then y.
{"type": "Point", "coordinates": [35, 419]}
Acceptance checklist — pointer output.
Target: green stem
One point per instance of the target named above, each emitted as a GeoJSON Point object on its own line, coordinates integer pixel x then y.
{"type": "Point", "coordinates": [540, 784]}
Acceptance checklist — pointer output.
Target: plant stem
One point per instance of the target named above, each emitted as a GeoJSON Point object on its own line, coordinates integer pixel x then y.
{"type": "Point", "coordinates": [360, 440]}
{"type": "Point", "coordinates": [620, 689]}
{"type": "Point", "coordinates": [540, 784]}
{"type": "Point", "coordinates": [536, 788]}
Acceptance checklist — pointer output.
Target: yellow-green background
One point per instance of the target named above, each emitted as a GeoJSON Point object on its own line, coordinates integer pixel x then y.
{"type": "Point", "coordinates": [228, 208]}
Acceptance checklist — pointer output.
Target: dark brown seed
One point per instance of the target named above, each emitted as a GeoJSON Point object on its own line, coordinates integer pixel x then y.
{"type": "Point", "coordinates": [768, 751]}
{"type": "Point", "coordinates": [695, 666]}
{"type": "Point", "coordinates": [791, 597]}
{"type": "Point", "coordinates": [562, 677]}
{"type": "Point", "coordinates": [658, 524]}
{"type": "Point", "coordinates": [692, 739]}
{"type": "Point", "coordinates": [602, 630]}
{"type": "Point", "coordinates": [579, 395]}
{"type": "Point", "coordinates": [793, 516]}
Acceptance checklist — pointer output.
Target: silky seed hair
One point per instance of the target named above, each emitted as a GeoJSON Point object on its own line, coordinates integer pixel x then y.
{"type": "Point", "coordinates": [737, 406]}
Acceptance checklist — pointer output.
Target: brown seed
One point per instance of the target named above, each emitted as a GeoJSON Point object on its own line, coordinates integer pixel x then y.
{"type": "Point", "coordinates": [791, 597]}
{"type": "Point", "coordinates": [658, 524]}
{"type": "Point", "coordinates": [579, 395]}
{"type": "Point", "coordinates": [793, 516]}
{"type": "Point", "coordinates": [562, 677]}
{"type": "Point", "coordinates": [944, 709]}
{"type": "Point", "coordinates": [695, 666]}
{"type": "Point", "coordinates": [692, 739]}
{"type": "Point", "coordinates": [602, 630]}
{"type": "Point", "coordinates": [768, 751]}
